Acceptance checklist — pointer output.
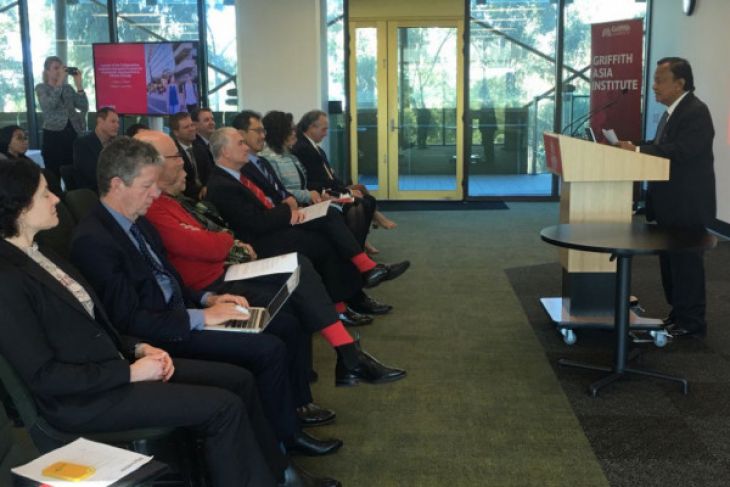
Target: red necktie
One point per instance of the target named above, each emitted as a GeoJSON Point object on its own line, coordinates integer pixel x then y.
{"type": "Point", "coordinates": [256, 191]}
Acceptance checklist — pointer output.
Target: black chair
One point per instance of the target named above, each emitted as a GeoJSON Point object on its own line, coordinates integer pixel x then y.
{"type": "Point", "coordinates": [58, 238]}
{"type": "Point", "coordinates": [12, 450]}
{"type": "Point", "coordinates": [80, 202]}
{"type": "Point", "coordinates": [68, 176]}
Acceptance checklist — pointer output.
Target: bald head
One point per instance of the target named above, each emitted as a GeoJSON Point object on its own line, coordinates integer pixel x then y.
{"type": "Point", "coordinates": [172, 177]}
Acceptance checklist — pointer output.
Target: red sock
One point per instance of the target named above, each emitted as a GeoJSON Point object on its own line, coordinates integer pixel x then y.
{"type": "Point", "coordinates": [336, 334]}
{"type": "Point", "coordinates": [363, 262]}
{"type": "Point", "coordinates": [340, 307]}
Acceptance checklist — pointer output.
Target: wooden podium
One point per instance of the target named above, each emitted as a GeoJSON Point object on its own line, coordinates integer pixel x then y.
{"type": "Point", "coordinates": [597, 186]}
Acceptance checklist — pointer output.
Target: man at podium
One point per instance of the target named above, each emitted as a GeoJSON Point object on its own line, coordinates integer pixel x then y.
{"type": "Point", "coordinates": [684, 135]}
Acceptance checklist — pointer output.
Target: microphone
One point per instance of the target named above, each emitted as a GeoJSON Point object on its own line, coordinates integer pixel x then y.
{"type": "Point", "coordinates": [580, 120]}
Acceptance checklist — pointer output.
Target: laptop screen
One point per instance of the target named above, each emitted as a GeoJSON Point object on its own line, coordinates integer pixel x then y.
{"type": "Point", "coordinates": [283, 294]}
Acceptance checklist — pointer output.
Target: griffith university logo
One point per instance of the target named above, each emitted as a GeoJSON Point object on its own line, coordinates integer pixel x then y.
{"type": "Point", "coordinates": [616, 30]}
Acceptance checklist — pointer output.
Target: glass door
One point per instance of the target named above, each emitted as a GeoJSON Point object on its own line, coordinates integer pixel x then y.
{"type": "Point", "coordinates": [406, 102]}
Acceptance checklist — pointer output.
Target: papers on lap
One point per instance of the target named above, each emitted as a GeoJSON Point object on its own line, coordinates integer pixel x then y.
{"type": "Point", "coordinates": [281, 264]}
{"type": "Point", "coordinates": [109, 462]}
{"type": "Point", "coordinates": [317, 210]}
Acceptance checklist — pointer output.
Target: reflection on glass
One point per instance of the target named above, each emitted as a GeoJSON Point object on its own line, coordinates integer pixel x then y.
{"type": "Point", "coordinates": [427, 95]}
{"type": "Point", "coordinates": [511, 96]}
{"type": "Point", "coordinates": [366, 40]}
{"type": "Point", "coordinates": [221, 31]}
{"type": "Point", "coordinates": [12, 96]}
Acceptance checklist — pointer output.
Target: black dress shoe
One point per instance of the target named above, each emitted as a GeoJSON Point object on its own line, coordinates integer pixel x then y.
{"type": "Point", "coordinates": [352, 318]}
{"type": "Point", "coordinates": [678, 331]}
{"type": "Point", "coordinates": [384, 272]}
{"type": "Point", "coordinates": [313, 415]}
{"type": "Point", "coordinates": [305, 444]}
{"type": "Point", "coordinates": [295, 476]}
{"type": "Point", "coordinates": [367, 305]}
{"type": "Point", "coordinates": [368, 370]}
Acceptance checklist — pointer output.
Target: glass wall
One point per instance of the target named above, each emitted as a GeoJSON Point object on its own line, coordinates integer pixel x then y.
{"type": "Point", "coordinates": [222, 58]}
{"type": "Point", "coordinates": [579, 15]}
{"type": "Point", "coordinates": [12, 94]}
{"type": "Point", "coordinates": [511, 101]}
{"type": "Point", "coordinates": [337, 138]}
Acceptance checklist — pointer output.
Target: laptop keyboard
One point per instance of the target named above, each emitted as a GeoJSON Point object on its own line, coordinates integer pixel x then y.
{"type": "Point", "coordinates": [248, 324]}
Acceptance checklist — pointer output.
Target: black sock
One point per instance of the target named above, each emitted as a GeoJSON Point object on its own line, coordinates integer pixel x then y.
{"type": "Point", "coordinates": [348, 354]}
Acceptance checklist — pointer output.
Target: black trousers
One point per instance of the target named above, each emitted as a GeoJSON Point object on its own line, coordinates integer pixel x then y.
{"type": "Point", "coordinates": [262, 354]}
{"type": "Point", "coordinates": [309, 303]}
{"type": "Point", "coordinates": [328, 244]}
{"type": "Point", "coordinates": [683, 279]}
{"type": "Point", "coordinates": [218, 402]}
{"type": "Point", "coordinates": [57, 148]}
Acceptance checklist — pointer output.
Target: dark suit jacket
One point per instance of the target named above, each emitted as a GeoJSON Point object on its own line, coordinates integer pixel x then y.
{"type": "Point", "coordinates": [116, 269]}
{"type": "Point", "coordinates": [203, 165]}
{"type": "Point", "coordinates": [70, 361]}
{"type": "Point", "coordinates": [688, 198]}
{"type": "Point", "coordinates": [245, 214]}
{"type": "Point", "coordinates": [316, 164]}
{"type": "Point", "coordinates": [273, 191]}
{"type": "Point", "coordinates": [86, 156]}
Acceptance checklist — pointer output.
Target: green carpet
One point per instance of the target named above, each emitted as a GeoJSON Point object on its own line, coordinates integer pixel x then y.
{"type": "Point", "coordinates": [481, 405]}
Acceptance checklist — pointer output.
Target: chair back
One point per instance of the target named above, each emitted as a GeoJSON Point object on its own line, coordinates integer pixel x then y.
{"type": "Point", "coordinates": [58, 238]}
{"type": "Point", "coordinates": [80, 202]}
{"type": "Point", "coordinates": [68, 176]}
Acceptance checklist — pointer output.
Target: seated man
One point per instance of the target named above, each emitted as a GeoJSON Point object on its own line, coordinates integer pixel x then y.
{"type": "Point", "coordinates": [197, 162]}
{"type": "Point", "coordinates": [88, 379]}
{"type": "Point", "coordinates": [87, 148]}
{"type": "Point", "coordinates": [276, 229]}
{"type": "Point", "coordinates": [121, 255]}
{"type": "Point", "coordinates": [200, 255]}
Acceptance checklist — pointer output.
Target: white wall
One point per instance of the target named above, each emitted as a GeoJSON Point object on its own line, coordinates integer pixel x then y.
{"type": "Point", "coordinates": [281, 56]}
{"type": "Point", "coordinates": [704, 40]}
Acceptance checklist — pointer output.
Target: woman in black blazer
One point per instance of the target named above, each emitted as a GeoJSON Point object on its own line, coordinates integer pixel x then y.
{"type": "Point", "coordinates": [87, 378]}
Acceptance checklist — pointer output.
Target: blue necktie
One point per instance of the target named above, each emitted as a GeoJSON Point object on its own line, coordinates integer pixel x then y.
{"type": "Point", "coordinates": [660, 127]}
{"type": "Point", "coordinates": [161, 274]}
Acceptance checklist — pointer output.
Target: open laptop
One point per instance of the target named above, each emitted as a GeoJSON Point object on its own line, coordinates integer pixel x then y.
{"type": "Point", "coordinates": [590, 135]}
{"type": "Point", "coordinates": [259, 318]}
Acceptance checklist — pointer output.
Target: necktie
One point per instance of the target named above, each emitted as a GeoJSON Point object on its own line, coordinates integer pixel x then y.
{"type": "Point", "coordinates": [660, 127]}
{"type": "Point", "coordinates": [193, 163]}
{"type": "Point", "coordinates": [256, 191]}
{"type": "Point", "coordinates": [263, 167]}
{"type": "Point", "coordinates": [161, 274]}
{"type": "Point", "coordinates": [326, 163]}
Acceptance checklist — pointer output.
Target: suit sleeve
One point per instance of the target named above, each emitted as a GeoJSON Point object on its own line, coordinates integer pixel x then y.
{"type": "Point", "coordinates": [243, 214]}
{"type": "Point", "coordinates": [695, 134]}
{"type": "Point", "coordinates": [104, 265]}
{"type": "Point", "coordinates": [34, 358]}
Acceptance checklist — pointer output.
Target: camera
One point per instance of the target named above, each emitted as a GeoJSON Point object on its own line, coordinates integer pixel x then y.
{"type": "Point", "coordinates": [72, 71]}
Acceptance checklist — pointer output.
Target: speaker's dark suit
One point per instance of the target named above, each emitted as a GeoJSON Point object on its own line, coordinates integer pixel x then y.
{"type": "Point", "coordinates": [320, 175]}
{"type": "Point", "coordinates": [77, 368]}
{"type": "Point", "coordinates": [686, 201]}
{"type": "Point", "coordinates": [118, 272]}
{"type": "Point", "coordinates": [325, 241]}
{"type": "Point", "coordinates": [86, 156]}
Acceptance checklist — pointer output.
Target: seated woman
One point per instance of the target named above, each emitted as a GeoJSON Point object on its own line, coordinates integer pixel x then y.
{"type": "Point", "coordinates": [86, 378]}
{"type": "Point", "coordinates": [14, 145]}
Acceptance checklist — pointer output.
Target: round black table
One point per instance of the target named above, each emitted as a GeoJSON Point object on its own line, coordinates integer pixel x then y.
{"type": "Point", "coordinates": [623, 241]}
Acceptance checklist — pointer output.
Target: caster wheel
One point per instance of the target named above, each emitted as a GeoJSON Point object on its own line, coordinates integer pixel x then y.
{"type": "Point", "coordinates": [568, 336]}
{"type": "Point", "coordinates": [660, 338]}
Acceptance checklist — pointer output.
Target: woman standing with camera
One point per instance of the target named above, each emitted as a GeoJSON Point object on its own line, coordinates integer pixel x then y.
{"type": "Point", "coordinates": [64, 109]}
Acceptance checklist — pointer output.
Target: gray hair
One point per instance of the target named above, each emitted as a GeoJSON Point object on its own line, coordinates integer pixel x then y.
{"type": "Point", "coordinates": [124, 158]}
{"type": "Point", "coordinates": [220, 139]}
{"type": "Point", "coordinates": [308, 119]}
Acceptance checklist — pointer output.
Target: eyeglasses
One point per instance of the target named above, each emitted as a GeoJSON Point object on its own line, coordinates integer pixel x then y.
{"type": "Point", "coordinates": [175, 156]}
{"type": "Point", "coordinates": [20, 136]}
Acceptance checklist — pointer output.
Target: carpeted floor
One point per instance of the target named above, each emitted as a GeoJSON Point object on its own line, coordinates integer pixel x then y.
{"type": "Point", "coordinates": [645, 432]}
{"type": "Point", "coordinates": [481, 405]}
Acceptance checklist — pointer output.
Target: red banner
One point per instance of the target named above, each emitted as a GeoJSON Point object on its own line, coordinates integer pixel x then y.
{"type": "Point", "coordinates": [616, 75]}
{"type": "Point", "coordinates": [121, 77]}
